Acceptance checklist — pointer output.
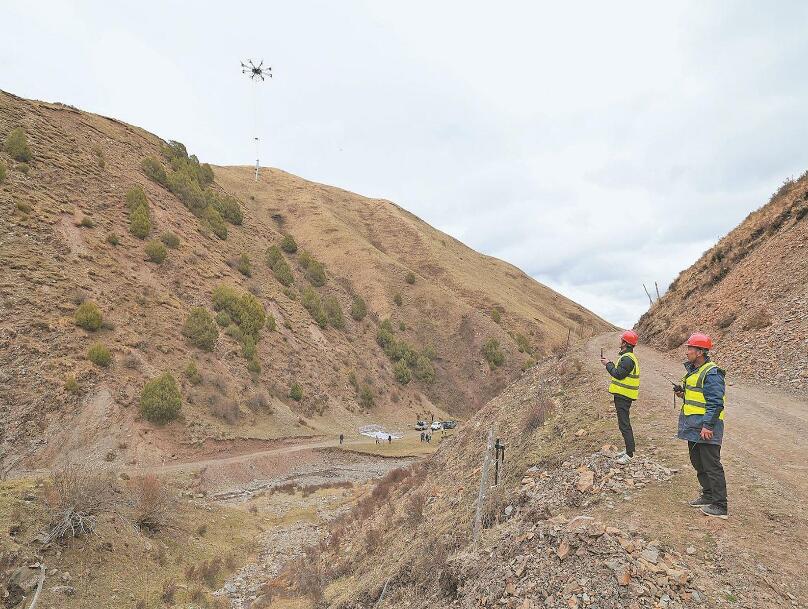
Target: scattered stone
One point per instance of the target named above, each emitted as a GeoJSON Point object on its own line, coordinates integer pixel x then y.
{"type": "Point", "coordinates": [563, 549]}
{"type": "Point", "coordinates": [586, 480]}
{"type": "Point", "coordinates": [651, 554]}
{"type": "Point", "coordinates": [66, 590]}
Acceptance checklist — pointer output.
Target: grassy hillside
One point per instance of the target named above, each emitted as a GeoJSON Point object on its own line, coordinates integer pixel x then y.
{"type": "Point", "coordinates": [285, 308]}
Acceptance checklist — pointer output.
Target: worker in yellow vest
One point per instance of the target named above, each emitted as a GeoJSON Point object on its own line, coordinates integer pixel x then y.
{"type": "Point", "coordinates": [701, 423]}
{"type": "Point", "coordinates": [625, 386]}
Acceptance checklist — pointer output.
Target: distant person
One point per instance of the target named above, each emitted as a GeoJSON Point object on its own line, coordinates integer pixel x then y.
{"type": "Point", "coordinates": [377, 440]}
{"type": "Point", "coordinates": [422, 436]}
{"type": "Point", "coordinates": [701, 423]}
{"type": "Point", "coordinates": [389, 439]}
{"type": "Point", "coordinates": [428, 438]}
{"type": "Point", "coordinates": [341, 438]}
{"type": "Point", "coordinates": [625, 387]}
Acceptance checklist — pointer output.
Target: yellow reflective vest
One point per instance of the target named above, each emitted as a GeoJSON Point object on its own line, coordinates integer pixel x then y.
{"type": "Point", "coordinates": [630, 385]}
{"type": "Point", "coordinates": [694, 391]}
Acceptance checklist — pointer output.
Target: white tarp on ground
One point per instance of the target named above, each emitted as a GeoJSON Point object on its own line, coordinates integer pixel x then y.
{"type": "Point", "coordinates": [377, 431]}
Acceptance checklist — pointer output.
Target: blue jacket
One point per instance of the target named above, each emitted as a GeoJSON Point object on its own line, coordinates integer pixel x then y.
{"type": "Point", "coordinates": [690, 426]}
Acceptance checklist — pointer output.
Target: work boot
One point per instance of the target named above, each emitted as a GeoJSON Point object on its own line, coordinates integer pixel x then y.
{"type": "Point", "coordinates": [620, 454]}
{"type": "Point", "coordinates": [623, 459]}
{"type": "Point", "coordinates": [702, 501]}
{"type": "Point", "coordinates": [715, 510]}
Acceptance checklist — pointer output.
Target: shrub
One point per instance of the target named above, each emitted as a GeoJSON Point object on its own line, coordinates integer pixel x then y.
{"type": "Point", "coordinates": [311, 301]}
{"type": "Point", "coordinates": [315, 273]}
{"type": "Point", "coordinates": [87, 222]}
{"type": "Point", "coordinates": [270, 323]}
{"type": "Point", "coordinates": [273, 255]}
{"type": "Point", "coordinates": [71, 385]}
{"type": "Point", "coordinates": [75, 497]}
{"type": "Point", "coordinates": [496, 316]}
{"type": "Point", "coordinates": [423, 369]}
{"type": "Point", "coordinates": [156, 251]}
{"type": "Point", "coordinates": [333, 311]}
{"type": "Point", "coordinates": [366, 397]}
{"type": "Point", "coordinates": [234, 332]}
{"type": "Point", "coordinates": [402, 372]}
{"type": "Point", "coordinates": [228, 207]}
{"type": "Point", "coordinates": [17, 146]}
{"type": "Point", "coordinates": [244, 266]}
{"type": "Point", "coordinates": [88, 316]}
{"type": "Point", "coordinates": [200, 329]}
{"type": "Point", "coordinates": [152, 506]}
{"type": "Point", "coordinates": [192, 373]}
{"type": "Point", "coordinates": [397, 300]}
{"type": "Point", "coordinates": [288, 244]}
{"type": "Point", "coordinates": [188, 190]}
{"type": "Point", "coordinates": [523, 343]}
{"type": "Point", "coordinates": [139, 222]}
{"type": "Point", "coordinates": [99, 355]}
{"type": "Point", "coordinates": [226, 298]}
{"type": "Point", "coordinates": [402, 326]}
{"type": "Point", "coordinates": [223, 319]}
{"type": "Point", "coordinates": [160, 400]}
{"type": "Point", "coordinates": [492, 353]}
{"type": "Point", "coordinates": [112, 239]}
{"type": "Point", "coordinates": [170, 239]}
{"type": "Point", "coordinates": [279, 267]}
{"type": "Point", "coordinates": [136, 197]}
{"type": "Point", "coordinates": [216, 223]}
{"type": "Point", "coordinates": [537, 414]}
{"type": "Point", "coordinates": [410, 278]}
{"type": "Point", "coordinates": [2, 171]}
{"type": "Point", "coordinates": [154, 170]}
{"type": "Point", "coordinates": [248, 347]}
{"type": "Point", "coordinates": [358, 308]}
{"type": "Point", "coordinates": [22, 168]}
{"type": "Point", "coordinates": [296, 392]}
{"type": "Point", "coordinates": [251, 315]}
{"type": "Point", "coordinates": [23, 207]}
{"type": "Point", "coordinates": [259, 401]}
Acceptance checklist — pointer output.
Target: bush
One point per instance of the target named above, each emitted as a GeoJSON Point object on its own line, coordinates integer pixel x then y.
{"type": "Point", "coordinates": [234, 332]}
{"type": "Point", "coordinates": [402, 372]}
{"type": "Point", "coordinates": [223, 319]}
{"type": "Point", "coordinates": [170, 239]}
{"type": "Point", "coordinates": [112, 239]}
{"type": "Point", "coordinates": [160, 400]}
{"type": "Point", "coordinates": [192, 373]}
{"type": "Point", "coordinates": [17, 146]}
{"type": "Point", "coordinates": [523, 343]}
{"type": "Point", "coordinates": [251, 315]}
{"type": "Point", "coordinates": [87, 222]}
{"type": "Point", "coordinates": [333, 311]}
{"type": "Point", "coordinates": [71, 385]}
{"type": "Point", "coordinates": [156, 251]}
{"type": "Point", "coordinates": [296, 392]}
{"type": "Point", "coordinates": [2, 171]}
{"type": "Point", "coordinates": [424, 370]}
{"type": "Point", "coordinates": [315, 273]}
{"type": "Point", "coordinates": [288, 244]}
{"type": "Point", "coordinates": [244, 266]}
{"type": "Point", "coordinates": [22, 168]}
{"type": "Point", "coordinates": [410, 278]}
{"type": "Point", "coordinates": [397, 300]}
{"type": "Point", "coordinates": [358, 308]}
{"type": "Point", "coordinates": [152, 506]}
{"type": "Point", "coordinates": [154, 170]}
{"type": "Point", "coordinates": [402, 326]}
{"type": "Point", "coordinates": [216, 223]}
{"type": "Point", "coordinates": [200, 329]}
{"type": "Point", "coordinates": [259, 401]}
{"type": "Point", "coordinates": [228, 207]}
{"type": "Point", "coordinates": [139, 222]}
{"type": "Point", "coordinates": [99, 355]}
{"type": "Point", "coordinates": [188, 190]}
{"type": "Point", "coordinates": [248, 347]}
{"type": "Point", "coordinates": [279, 267]}
{"type": "Point", "coordinates": [88, 316]}
{"type": "Point", "coordinates": [226, 298]}
{"type": "Point", "coordinates": [136, 197]}
{"type": "Point", "coordinates": [496, 316]}
{"type": "Point", "coordinates": [75, 497]}
{"type": "Point", "coordinates": [537, 414]}
{"type": "Point", "coordinates": [493, 354]}
{"type": "Point", "coordinates": [366, 400]}
{"type": "Point", "coordinates": [311, 301]}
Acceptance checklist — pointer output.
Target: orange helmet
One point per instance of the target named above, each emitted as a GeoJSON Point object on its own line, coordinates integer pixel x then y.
{"type": "Point", "coordinates": [702, 341]}
{"type": "Point", "coordinates": [630, 337]}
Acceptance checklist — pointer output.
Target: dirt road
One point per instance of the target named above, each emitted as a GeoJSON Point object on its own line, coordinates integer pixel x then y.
{"type": "Point", "coordinates": [765, 455]}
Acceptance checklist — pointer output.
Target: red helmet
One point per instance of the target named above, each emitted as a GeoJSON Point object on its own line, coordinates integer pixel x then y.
{"type": "Point", "coordinates": [630, 336]}
{"type": "Point", "coordinates": [697, 339]}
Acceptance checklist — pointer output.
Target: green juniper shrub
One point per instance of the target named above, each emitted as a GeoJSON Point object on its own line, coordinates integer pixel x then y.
{"type": "Point", "coordinates": [358, 308]}
{"type": "Point", "coordinates": [226, 298]}
{"type": "Point", "coordinates": [227, 206]}
{"type": "Point", "coordinates": [248, 347]}
{"type": "Point", "coordinates": [156, 251]}
{"type": "Point", "coordinates": [493, 354]}
{"type": "Point", "coordinates": [315, 273]}
{"type": "Point", "coordinates": [192, 373]}
{"type": "Point", "coordinates": [273, 255]}
{"type": "Point", "coordinates": [234, 332]}
{"type": "Point", "coordinates": [333, 311]}
{"type": "Point", "coordinates": [112, 239]}
{"type": "Point", "coordinates": [88, 316]}
{"type": "Point", "coordinates": [402, 326]}
{"type": "Point", "coordinates": [270, 323]}
{"type": "Point", "coordinates": [244, 266]}
{"type": "Point", "coordinates": [402, 372]}
{"type": "Point", "coordinates": [423, 369]}
{"type": "Point", "coordinates": [160, 400]}
{"type": "Point", "coordinates": [311, 301]}
{"type": "Point", "coordinates": [170, 239]}
{"type": "Point", "coordinates": [353, 380]}
{"type": "Point", "coordinates": [135, 197]}
{"type": "Point", "coordinates": [305, 259]}
{"type": "Point", "coordinates": [430, 353]}
{"type": "Point", "coordinates": [366, 397]}
{"type": "Point", "coordinates": [154, 170]}
{"type": "Point", "coordinates": [386, 325]}
{"type": "Point", "coordinates": [410, 278]}
{"type": "Point", "coordinates": [216, 223]}
{"type": "Point", "coordinates": [99, 355]}
{"type": "Point", "coordinates": [496, 316]}
{"type": "Point", "coordinates": [397, 300]}
{"type": "Point", "coordinates": [280, 268]}
{"type": "Point", "coordinates": [16, 146]}
{"type": "Point", "coordinates": [223, 319]}
{"type": "Point", "coordinates": [139, 223]}
{"type": "Point", "coordinates": [200, 329]}
{"type": "Point", "coordinates": [296, 392]}
{"type": "Point", "coordinates": [288, 244]}
{"type": "Point", "coordinates": [523, 343]}
{"type": "Point", "coordinates": [251, 316]}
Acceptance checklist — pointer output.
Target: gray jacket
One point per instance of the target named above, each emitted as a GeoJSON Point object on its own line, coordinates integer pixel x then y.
{"type": "Point", "coordinates": [690, 426]}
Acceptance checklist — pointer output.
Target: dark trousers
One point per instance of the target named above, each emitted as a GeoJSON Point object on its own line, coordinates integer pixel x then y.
{"type": "Point", "coordinates": [706, 459]}
{"type": "Point", "coordinates": [621, 405]}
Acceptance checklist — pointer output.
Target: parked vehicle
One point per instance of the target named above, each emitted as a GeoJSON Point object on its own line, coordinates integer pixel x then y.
{"type": "Point", "coordinates": [436, 426]}
{"type": "Point", "coordinates": [421, 426]}
{"type": "Point", "coordinates": [449, 424]}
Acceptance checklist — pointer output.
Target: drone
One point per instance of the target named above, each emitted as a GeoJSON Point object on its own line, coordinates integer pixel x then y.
{"type": "Point", "coordinates": [256, 71]}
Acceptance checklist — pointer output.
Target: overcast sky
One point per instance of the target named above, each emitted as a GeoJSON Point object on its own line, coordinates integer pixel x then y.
{"type": "Point", "coordinates": [598, 146]}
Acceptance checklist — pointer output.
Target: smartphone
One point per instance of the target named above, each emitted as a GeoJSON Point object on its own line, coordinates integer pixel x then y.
{"type": "Point", "coordinates": [601, 351]}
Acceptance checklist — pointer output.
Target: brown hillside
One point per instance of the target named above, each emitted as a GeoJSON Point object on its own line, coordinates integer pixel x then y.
{"type": "Point", "coordinates": [59, 213]}
{"type": "Point", "coordinates": [750, 293]}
